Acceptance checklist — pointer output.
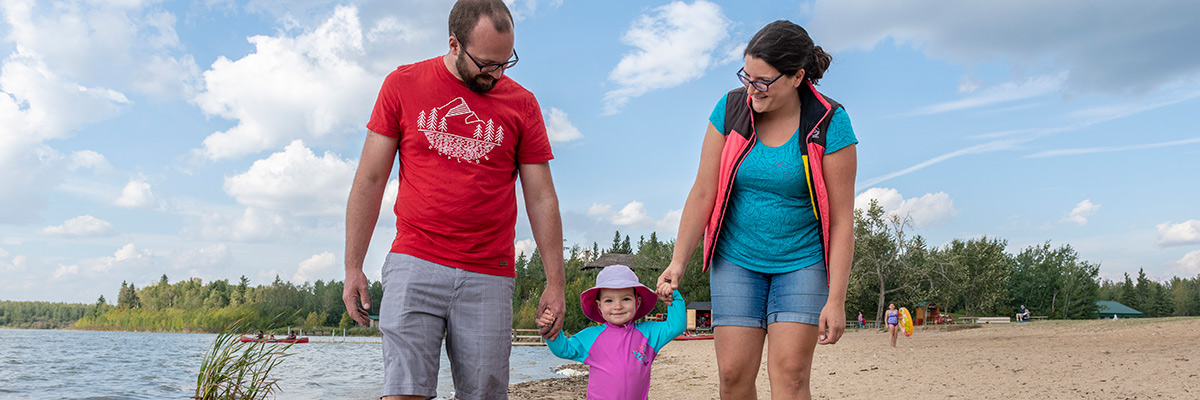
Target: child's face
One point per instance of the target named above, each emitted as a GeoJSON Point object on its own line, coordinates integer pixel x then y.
{"type": "Point", "coordinates": [618, 306]}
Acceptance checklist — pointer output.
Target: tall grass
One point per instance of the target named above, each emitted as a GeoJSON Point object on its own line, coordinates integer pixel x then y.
{"type": "Point", "coordinates": [235, 370]}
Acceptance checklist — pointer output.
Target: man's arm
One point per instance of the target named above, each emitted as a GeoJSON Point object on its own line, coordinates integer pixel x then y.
{"type": "Point", "coordinates": [541, 203]}
{"type": "Point", "coordinates": [362, 212]}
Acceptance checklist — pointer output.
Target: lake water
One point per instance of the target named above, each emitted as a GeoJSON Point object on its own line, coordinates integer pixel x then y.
{"type": "Point", "coordinates": [52, 364]}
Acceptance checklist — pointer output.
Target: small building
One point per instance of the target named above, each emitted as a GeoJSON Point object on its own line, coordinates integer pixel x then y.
{"type": "Point", "coordinates": [926, 312]}
{"type": "Point", "coordinates": [699, 316]}
{"type": "Point", "coordinates": [607, 259]}
{"type": "Point", "coordinates": [1109, 308]}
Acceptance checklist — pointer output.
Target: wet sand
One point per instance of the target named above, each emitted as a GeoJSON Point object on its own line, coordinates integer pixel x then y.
{"type": "Point", "coordinates": [1100, 359]}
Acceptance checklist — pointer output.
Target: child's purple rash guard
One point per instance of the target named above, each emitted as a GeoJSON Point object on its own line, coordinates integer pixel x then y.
{"type": "Point", "coordinates": [619, 357]}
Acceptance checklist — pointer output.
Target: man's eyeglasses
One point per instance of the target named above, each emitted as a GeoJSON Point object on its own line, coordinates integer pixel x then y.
{"type": "Point", "coordinates": [758, 85]}
{"type": "Point", "coordinates": [492, 67]}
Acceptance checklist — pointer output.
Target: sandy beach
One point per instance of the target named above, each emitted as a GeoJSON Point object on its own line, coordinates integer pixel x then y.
{"type": "Point", "coordinates": [1099, 359]}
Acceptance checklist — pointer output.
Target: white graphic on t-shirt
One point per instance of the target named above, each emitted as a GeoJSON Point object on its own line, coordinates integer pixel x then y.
{"type": "Point", "coordinates": [470, 149]}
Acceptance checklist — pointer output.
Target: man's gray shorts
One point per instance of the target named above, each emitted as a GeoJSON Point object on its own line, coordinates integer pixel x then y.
{"type": "Point", "coordinates": [422, 301]}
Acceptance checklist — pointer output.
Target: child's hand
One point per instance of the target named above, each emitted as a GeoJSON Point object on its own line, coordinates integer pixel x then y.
{"type": "Point", "coordinates": [665, 289]}
{"type": "Point", "coordinates": [546, 319]}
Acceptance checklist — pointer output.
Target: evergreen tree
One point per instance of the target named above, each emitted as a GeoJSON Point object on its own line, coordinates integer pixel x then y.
{"type": "Point", "coordinates": [626, 248]}
{"type": "Point", "coordinates": [616, 244]}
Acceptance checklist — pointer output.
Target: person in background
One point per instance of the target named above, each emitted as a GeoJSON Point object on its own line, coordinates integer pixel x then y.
{"type": "Point", "coordinates": [893, 322]}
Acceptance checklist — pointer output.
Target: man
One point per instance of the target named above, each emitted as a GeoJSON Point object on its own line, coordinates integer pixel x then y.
{"type": "Point", "coordinates": [464, 133]}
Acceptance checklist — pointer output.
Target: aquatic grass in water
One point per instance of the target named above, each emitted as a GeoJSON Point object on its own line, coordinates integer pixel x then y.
{"type": "Point", "coordinates": [236, 370]}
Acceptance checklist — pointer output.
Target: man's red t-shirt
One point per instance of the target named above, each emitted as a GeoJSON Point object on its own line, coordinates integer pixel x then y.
{"type": "Point", "coordinates": [459, 152]}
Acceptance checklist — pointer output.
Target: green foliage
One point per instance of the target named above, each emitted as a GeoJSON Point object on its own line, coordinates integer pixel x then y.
{"type": "Point", "coordinates": [973, 275]}
{"type": "Point", "coordinates": [235, 370]}
{"type": "Point", "coordinates": [1054, 282]}
{"type": "Point", "coordinates": [40, 314]}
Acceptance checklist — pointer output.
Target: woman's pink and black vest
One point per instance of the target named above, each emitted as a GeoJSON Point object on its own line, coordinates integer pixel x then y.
{"type": "Point", "coordinates": [740, 137]}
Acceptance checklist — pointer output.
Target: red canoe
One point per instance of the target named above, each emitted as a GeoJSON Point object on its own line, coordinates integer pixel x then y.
{"type": "Point", "coordinates": [296, 340]}
{"type": "Point", "coordinates": [693, 336]}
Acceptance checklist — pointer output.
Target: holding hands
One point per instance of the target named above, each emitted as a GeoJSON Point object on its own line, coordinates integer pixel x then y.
{"type": "Point", "coordinates": [668, 282]}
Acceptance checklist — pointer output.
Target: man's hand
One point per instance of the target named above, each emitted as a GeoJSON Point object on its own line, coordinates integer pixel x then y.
{"type": "Point", "coordinates": [553, 304]}
{"type": "Point", "coordinates": [668, 281]}
{"type": "Point", "coordinates": [354, 294]}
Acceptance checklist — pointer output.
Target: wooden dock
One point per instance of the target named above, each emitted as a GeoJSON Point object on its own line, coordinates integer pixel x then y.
{"type": "Point", "coordinates": [527, 337]}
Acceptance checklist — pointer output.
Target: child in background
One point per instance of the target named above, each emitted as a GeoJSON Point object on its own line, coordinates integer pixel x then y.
{"type": "Point", "coordinates": [620, 351]}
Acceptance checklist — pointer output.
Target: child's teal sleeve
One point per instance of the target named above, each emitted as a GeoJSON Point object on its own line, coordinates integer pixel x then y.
{"type": "Point", "coordinates": [661, 333]}
{"type": "Point", "coordinates": [576, 347]}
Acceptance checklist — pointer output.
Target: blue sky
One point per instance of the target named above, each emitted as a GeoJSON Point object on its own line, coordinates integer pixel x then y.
{"type": "Point", "coordinates": [218, 138]}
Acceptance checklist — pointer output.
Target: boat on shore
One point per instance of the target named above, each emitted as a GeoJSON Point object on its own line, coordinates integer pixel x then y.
{"type": "Point", "coordinates": [694, 336]}
{"type": "Point", "coordinates": [248, 339]}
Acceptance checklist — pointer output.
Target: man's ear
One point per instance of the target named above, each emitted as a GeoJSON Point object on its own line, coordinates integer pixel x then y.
{"type": "Point", "coordinates": [454, 45]}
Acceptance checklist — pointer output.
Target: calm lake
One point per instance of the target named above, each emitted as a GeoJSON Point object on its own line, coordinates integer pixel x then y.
{"type": "Point", "coordinates": [52, 364]}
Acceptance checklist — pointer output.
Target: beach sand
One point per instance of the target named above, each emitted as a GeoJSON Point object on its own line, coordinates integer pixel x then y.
{"type": "Point", "coordinates": [1099, 359]}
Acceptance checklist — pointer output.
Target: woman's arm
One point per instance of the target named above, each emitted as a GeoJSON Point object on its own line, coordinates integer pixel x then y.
{"type": "Point", "coordinates": [840, 168]}
{"type": "Point", "coordinates": [696, 211]}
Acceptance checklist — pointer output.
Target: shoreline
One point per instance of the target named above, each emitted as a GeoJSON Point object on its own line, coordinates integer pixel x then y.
{"type": "Point", "coordinates": [1077, 359]}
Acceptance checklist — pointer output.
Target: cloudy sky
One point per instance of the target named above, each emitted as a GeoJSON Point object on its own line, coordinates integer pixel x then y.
{"type": "Point", "coordinates": [218, 138]}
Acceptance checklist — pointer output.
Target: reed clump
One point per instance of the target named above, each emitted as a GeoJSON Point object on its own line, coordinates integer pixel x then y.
{"type": "Point", "coordinates": [235, 370]}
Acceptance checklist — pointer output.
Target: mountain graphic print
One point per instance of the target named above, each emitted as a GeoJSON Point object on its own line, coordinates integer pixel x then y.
{"type": "Point", "coordinates": [457, 116]}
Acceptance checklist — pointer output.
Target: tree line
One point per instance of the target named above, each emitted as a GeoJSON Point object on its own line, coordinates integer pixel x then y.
{"type": "Point", "coordinates": [891, 264]}
{"type": "Point", "coordinates": [978, 277]}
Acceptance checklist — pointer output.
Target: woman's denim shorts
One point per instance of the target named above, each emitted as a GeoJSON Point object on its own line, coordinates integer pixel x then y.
{"type": "Point", "coordinates": [741, 297]}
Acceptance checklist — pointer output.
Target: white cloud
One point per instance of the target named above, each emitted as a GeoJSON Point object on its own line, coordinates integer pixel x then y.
{"type": "Point", "coordinates": [308, 87]}
{"type": "Point", "coordinates": [1111, 149]}
{"type": "Point", "coordinates": [1081, 212]}
{"type": "Point", "coordinates": [65, 270]}
{"type": "Point", "coordinates": [252, 225]}
{"type": "Point", "coordinates": [314, 267]}
{"type": "Point", "coordinates": [89, 159]}
{"type": "Point", "coordinates": [634, 215]}
{"type": "Point", "coordinates": [670, 34]}
{"type": "Point", "coordinates": [83, 225]}
{"type": "Point", "coordinates": [526, 246]}
{"type": "Point", "coordinates": [1189, 265]}
{"type": "Point", "coordinates": [1183, 233]}
{"type": "Point", "coordinates": [1006, 92]}
{"type": "Point", "coordinates": [112, 43]}
{"type": "Point", "coordinates": [208, 256]}
{"type": "Point", "coordinates": [599, 209]}
{"type": "Point", "coordinates": [387, 212]}
{"type": "Point", "coordinates": [522, 9]}
{"type": "Point", "coordinates": [558, 127]}
{"type": "Point", "coordinates": [295, 181]}
{"type": "Point", "coordinates": [977, 33]}
{"type": "Point", "coordinates": [11, 263]}
{"type": "Point", "coordinates": [137, 194]}
{"type": "Point", "coordinates": [928, 210]}
{"type": "Point", "coordinates": [127, 255]}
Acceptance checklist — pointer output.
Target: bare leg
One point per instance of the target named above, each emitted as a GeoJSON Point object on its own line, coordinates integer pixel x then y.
{"type": "Point", "coordinates": [894, 330]}
{"type": "Point", "coordinates": [739, 354]}
{"type": "Point", "coordinates": [789, 359]}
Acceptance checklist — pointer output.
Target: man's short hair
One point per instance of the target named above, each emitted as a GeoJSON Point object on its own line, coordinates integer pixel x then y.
{"type": "Point", "coordinates": [466, 14]}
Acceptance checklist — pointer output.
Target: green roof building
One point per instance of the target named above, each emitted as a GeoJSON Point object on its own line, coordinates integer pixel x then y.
{"type": "Point", "coordinates": [1110, 308]}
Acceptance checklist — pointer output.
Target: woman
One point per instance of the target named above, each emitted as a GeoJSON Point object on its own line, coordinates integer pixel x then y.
{"type": "Point", "coordinates": [774, 198]}
{"type": "Point", "coordinates": [893, 322]}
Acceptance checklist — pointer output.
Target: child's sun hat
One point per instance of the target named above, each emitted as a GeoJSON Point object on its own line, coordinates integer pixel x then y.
{"type": "Point", "coordinates": [616, 277]}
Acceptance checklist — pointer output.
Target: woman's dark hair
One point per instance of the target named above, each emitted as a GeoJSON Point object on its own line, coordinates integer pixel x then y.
{"type": "Point", "coordinates": [466, 13]}
{"type": "Point", "coordinates": [787, 48]}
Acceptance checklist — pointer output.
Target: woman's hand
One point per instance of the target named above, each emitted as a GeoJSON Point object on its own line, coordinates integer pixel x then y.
{"type": "Point", "coordinates": [668, 281]}
{"type": "Point", "coordinates": [833, 323]}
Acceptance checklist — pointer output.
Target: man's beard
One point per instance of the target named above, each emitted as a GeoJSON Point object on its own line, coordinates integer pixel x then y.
{"type": "Point", "coordinates": [481, 83]}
